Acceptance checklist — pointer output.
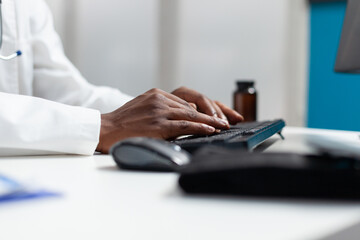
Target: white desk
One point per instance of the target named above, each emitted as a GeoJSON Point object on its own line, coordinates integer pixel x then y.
{"type": "Point", "coordinates": [102, 202]}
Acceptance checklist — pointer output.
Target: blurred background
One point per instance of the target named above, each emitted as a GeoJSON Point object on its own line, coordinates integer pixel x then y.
{"type": "Point", "coordinates": [287, 46]}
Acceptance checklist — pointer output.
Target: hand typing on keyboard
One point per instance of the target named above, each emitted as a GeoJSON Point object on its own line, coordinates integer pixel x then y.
{"type": "Point", "coordinates": [159, 114]}
{"type": "Point", "coordinates": [207, 106]}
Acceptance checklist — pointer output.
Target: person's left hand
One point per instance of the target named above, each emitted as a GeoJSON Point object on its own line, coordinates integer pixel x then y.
{"type": "Point", "coordinates": [207, 106]}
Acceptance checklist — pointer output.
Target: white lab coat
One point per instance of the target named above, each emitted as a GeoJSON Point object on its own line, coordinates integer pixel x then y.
{"type": "Point", "coordinates": [46, 106]}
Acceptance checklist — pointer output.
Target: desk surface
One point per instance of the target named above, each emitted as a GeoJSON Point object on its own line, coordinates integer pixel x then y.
{"type": "Point", "coordinates": [102, 202]}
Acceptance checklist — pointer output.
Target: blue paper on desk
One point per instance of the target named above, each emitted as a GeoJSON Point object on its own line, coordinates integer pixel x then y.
{"type": "Point", "coordinates": [12, 190]}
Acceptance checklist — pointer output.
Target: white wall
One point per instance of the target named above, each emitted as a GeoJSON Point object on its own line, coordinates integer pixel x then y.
{"type": "Point", "coordinates": [116, 43]}
{"type": "Point", "coordinates": [203, 44]}
{"type": "Point", "coordinates": [233, 39]}
{"type": "Point", "coordinates": [221, 41]}
{"type": "Point", "coordinates": [297, 59]}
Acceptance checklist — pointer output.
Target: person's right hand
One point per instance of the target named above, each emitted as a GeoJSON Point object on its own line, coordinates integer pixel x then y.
{"type": "Point", "coordinates": [155, 114]}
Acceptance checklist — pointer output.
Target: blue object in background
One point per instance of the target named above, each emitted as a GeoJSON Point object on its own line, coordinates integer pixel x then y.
{"type": "Point", "coordinates": [334, 99]}
{"type": "Point", "coordinates": [12, 190]}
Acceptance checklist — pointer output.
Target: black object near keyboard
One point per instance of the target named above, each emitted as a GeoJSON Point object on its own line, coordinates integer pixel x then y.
{"type": "Point", "coordinates": [217, 170]}
{"type": "Point", "coordinates": [243, 135]}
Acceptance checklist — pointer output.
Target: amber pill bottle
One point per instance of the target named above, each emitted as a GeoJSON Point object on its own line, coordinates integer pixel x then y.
{"type": "Point", "coordinates": [245, 100]}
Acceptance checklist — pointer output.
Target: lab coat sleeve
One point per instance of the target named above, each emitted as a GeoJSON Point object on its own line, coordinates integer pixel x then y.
{"type": "Point", "coordinates": [55, 77]}
{"type": "Point", "coordinates": [35, 126]}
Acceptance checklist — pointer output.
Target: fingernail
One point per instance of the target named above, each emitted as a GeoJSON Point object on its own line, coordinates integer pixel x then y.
{"type": "Point", "coordinates": [225, 119]}
{"type": "Point", "coordinates": [223, 122]}
{"type": "Point", "coordinates": [209, 128]}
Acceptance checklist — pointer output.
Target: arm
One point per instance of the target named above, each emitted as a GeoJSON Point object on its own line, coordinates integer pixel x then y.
{"type": "Point", "coordinates": [32, 126]}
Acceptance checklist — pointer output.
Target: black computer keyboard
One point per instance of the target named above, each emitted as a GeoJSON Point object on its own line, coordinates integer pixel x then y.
{"type": "Point", "coordinates": [243, 135]}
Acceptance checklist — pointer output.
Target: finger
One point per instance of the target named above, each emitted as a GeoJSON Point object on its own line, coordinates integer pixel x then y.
{"type": "Point", "coordinates": [205, 106]}
{"type": "Point", "coordinates": [233, 116]}
{"type": "Point", "coordinates": [195, 116]}
{"type": "Point", "coordinates": [193, 105]}
{"type": "Point", "coordinates": [178, 112]}
{"type": "Point", "coordinates": [219, 112]}
{"type": "Point", "coordinates": [175, 104]}
{"type": "Point", "coordinates": [178, 128]}
{"type": "Point", "coordinates": [203, 103]}
{"type": "Point", "coordinates": [174, 98]}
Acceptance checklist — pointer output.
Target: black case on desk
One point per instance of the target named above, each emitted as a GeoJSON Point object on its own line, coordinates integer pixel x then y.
{"type": "Point", "coordinates": [220, 171]}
